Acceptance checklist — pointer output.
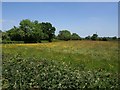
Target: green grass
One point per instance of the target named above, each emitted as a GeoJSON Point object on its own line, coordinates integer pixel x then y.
{"type": "Point", "coordinates": [76, 64]}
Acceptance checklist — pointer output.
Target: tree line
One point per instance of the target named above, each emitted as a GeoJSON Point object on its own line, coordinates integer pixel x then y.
{"type": "Point", "coordinates": [34, 31]}
{"type": "Point", "coordinates": [30, 31]}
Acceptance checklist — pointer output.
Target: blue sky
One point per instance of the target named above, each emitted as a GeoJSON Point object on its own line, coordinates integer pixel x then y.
{"type": "Point", "coordinates": [84, 18]}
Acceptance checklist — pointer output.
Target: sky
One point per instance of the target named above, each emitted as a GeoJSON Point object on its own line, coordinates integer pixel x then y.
{"type": "Point", "coordinates": [60, 0]}
{"type": "Point", "coordinates": [83, 18]}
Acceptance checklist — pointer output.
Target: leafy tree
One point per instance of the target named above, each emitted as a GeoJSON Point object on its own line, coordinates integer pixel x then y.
{"type": "Point", "coordinates": [104, 39]}
{"type": "Point", "coordinates": [94, 37]}
{"type": "Point", "coordinates": [48, 30]}
{"type": "Point", "coordinates": [88, 37]}
{"type": "Point", "coordinates": [37, 31]}
{"type": "Point", "coordinates": [15, 34]}
{"type": "Point", "coordinates": [64, 35]}
{"type": "Point", "coordinates": [75, 36]}
{"type": "Point", "coordinates": [32, 31]}
{"type": "Point", "coordinates": [114, 38]}
{"type": "Point", "coordinates": [5, 36]}
{"type": "Point", "coordinates": [27, 27]}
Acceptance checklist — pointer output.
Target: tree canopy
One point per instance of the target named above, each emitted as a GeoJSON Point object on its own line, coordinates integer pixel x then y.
{"type": "Point", "coordinates": [64, 35]}
{"type": "Point", "coordinates": [67, 35]}
{"type": "Point", "coordinates": [75, 36]}
{"type": "Point", "coordinates": [94, 37]}
{"type": "Point", "coordinates": [32, 31]}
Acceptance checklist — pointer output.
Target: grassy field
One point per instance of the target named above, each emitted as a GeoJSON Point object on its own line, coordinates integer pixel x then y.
{"type": "Point", "coordinates": [65, 64]}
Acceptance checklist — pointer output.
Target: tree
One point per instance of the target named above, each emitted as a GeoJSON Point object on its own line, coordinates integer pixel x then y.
{"type": "Point", "coordinates": [64, 35]}
{"type": "Point", "coordinates": [32, 31]}
{"type": "Point", "coordinates": [75, 36]}
{"type": "Point", "coordinates": [104, 39]}
{"type": "Point", "coordinates": [5, 36]}
{"type": "Point", "coordinates": [37, 32]}
{"type": "Point", "coordinates": [114, 38]}
{"type": "Point", "coordinates": [94, 37]}
{"type": "Point", "coordinates": [27, 27]}
{"type": "Point", "coordinates": [88, 37]}
{"type": "Point", "coordinates": [16, 34]}
{"type": "Point", "coordinates": [48, 30]}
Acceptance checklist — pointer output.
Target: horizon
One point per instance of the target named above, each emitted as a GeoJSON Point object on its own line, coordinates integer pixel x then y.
{"type": "Point", "coordinates": [83, 18]}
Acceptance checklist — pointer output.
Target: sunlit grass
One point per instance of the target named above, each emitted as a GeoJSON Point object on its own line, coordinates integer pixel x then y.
{"type": "Point", "coordinates": [93, 59]}
{"type": "Point", "coordinates": [94, 54]}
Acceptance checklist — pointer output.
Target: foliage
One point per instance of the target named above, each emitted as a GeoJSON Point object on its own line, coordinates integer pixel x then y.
{"type": "Point", "coordinates": [48, 30]}
{"type": "Point", "coordinates": [114, 38]}
{"type": "Point", "coordinates": [75, 36]}
{"type": "Point", "coordinates": [20, 73]}
{"type": "Point", "coordinates": [94, 37]}
{"type": "Point", "coordinates": [5, 36]}
{"type": "Point", "coordinates": [107, 38]}
{"type": "Point", "coordinates": [88, 38]}
{"type": "Point", "coordinates": [34, 32]}
{"type": "Point", "coordinates": [71, 64]}
{"type": "Point", "coordinates": [64, 35]}
{"type": "Point", "coordinates": [31, 31]}
{"type": "Point", "coordinates": [104, 39]}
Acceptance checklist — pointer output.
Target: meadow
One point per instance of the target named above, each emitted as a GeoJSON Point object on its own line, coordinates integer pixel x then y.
{"type": "Point", "coordinates": [64, 64]}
